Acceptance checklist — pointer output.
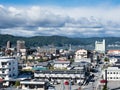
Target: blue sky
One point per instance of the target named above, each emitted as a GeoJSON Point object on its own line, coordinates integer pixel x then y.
{"type": "Point", "coordinates": [72, 18]}
{"type": "Point", "coordinates": [63, 3]}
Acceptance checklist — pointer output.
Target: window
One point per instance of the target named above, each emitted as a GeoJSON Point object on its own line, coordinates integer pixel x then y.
{"type": "Point", "coordinates": [9, 69]}
{"type": "Point", "coordinates": [9, 63]}
{"type": "Point", "coordinates": [110, 77]}
{"type": "Point", "coordinates": [4, 63]}
{"type": "Point", "coordinates": [26, 85]}
{"type": "Point", "coordinates": [9, 75]}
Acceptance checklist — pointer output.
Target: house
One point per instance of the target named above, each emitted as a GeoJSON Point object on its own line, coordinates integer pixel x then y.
{"type": "Point", "coordinates": [82, 53]}
{"type": "Point", "coordinates": [113, 52]}
{"type": "Point", "coordinates": [80, 65]}
{"type": "Point", "coordinates": [112, 60]}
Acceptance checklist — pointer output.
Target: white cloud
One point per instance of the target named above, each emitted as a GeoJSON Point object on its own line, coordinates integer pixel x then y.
{"type": "Point", "coordinates": [74, 22]}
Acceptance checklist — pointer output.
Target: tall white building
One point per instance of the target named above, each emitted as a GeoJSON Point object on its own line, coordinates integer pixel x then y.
{"type": "Point", "coordinates": [8, 68]}
{"type": "Point", "coordinates": [100, 46]}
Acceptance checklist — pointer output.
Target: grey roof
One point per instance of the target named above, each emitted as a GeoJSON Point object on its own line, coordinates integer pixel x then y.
{"type": "Point", "coordinates": [80, 64]}
{"type": "Point", "coordinates": [60, 72]}
{"type": "Point", "coordinates": [42, 64]}
{"type": "Point", "coordinates": [61, 62]}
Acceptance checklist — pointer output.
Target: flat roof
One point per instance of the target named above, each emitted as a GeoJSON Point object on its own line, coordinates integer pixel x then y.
{"type": "Point", "coordinates": [33, 82]}
{"type": "Point", "coordinates": [60, 72]}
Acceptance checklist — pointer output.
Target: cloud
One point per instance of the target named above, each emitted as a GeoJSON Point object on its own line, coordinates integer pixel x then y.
{"type": "Point", "coordinates": [72, 22]}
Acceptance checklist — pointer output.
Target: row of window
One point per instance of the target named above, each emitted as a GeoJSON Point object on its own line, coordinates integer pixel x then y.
{"type": "Point", "coordinates": [113, 77]}
{"type": "Point", "coordinates": [113, 72]}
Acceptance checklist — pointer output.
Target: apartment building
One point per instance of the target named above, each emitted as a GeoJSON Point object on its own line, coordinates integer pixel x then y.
{"type": "Point", "coordinates": [8, 68]}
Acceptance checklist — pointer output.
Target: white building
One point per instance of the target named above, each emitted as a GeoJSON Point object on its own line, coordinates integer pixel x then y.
{"type": "Point", "coordinates": [113, 60]}
{"type": "Point", "coordinates": [8, 68]}
{"type": "Point", "coordinates": [113, 73]}
{"type": "Point", "coordinates": [82, 53]}
{"type": "Point", "coordinates": [113, 52]}
{"type": "Point", "coordinates": [33, 84]}
{"type": "Point", "coordinates": [61, 64]}
{"type": "Point", "coordinates": [100, 46]}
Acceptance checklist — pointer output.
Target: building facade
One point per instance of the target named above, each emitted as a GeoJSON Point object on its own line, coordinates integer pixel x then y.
{"type": "Point", "coordinates": [113, 74]}
{"type": "Point", "coordinates": [8, 68]}
{"type": "Point", "coordinates": [100, 46]}
{"type": "Point", "coordinates": [113, 52]}
{"type": "Point", "coordinates": [8, 44]}
{"type": "Point", "coordinates": [20, 45]}
{"type": "Point", "coordinates": [82, 53]}
{"type": "Point", "coordinates": [61, 64]}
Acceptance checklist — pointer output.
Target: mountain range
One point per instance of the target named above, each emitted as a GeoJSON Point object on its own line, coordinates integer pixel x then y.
{"type": "Point", "coordinates": [55, 40]}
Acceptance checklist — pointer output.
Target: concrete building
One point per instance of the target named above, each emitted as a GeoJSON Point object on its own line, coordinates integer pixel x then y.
{"type": "Point", "coordinates": [100, 46]}
{"type": "Point", "coordinates": [113, 60]}
{"type": "Point", "coordinates": [61, 64]}
{"type": "Point", "coordinates": [113, 52]}
{"type": "Point", "coordinates": [8, 44]}
{"type": "Point", "coordinates": [20, 45]}
{"type": "Point", "coordinates": [113, 73]}
{"type": "Point", "coordinates": [8, 68]}
{"type": "Point", "coordinates": [34, 85]}
{"type": "Point", "coordinates": [82, 53]}
{"type": "Point", "coordinates": [60, 74]}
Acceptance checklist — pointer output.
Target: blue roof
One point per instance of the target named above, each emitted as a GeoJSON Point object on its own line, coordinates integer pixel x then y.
{"type": "Point", "coordinates": [39, 68]}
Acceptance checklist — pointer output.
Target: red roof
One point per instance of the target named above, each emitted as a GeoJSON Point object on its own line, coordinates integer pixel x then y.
{"type": "Point", "coordinates": [1, 80]}
{"type": "Point", "coordinates": [66, 83]}
{"type": "Point", "coordinates": [103, 81]}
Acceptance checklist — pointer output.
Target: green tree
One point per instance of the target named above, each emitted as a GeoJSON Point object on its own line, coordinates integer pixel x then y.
{"type": "Point", "coordinates": [17, 83]}
{"type": "Point", "coordinates": [106, 59]}
{"type": "Point", "coordinates": [105, 87]}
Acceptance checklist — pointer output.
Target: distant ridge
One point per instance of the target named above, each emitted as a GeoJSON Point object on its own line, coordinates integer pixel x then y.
{"type": "Point", "coordinates": [55, 40]}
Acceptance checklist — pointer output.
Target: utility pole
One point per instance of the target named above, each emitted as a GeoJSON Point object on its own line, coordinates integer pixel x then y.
{"type": "Point", "coordinates": [63, 87]}
{"type": "Point", "coordinates": [70, 85]}
{"type": "Point", "coordinates": [106, 77]}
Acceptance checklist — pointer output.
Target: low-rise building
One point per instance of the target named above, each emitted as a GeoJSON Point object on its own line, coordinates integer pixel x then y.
{"type": "Point", "coordinates": [113, 73]}
{"type": "Point", "coordinates": [82, 53]}
{"type": "Point", "coordinates": [113, 60]}
{"type": "Point", "coordinates": [113, 52]}
{"type": "Point", "coordinates": [61, 64]}
{"type": "Point", "coordinates": [34, 85]}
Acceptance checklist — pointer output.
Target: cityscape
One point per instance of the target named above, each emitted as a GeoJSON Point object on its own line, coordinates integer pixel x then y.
{"type": "Point", "coordinates": [50, 68]}
{"type": "Point", "coordinates": [59, 45]}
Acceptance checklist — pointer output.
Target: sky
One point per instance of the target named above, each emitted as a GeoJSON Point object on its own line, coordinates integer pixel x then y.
{"type": "Point", "coordinates": [71, 18]}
